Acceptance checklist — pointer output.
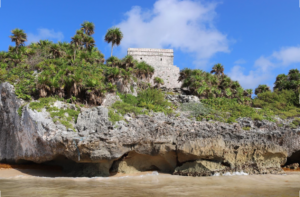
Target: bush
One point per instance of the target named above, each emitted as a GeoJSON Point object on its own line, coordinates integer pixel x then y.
{"type": "Point", "coordinates": [296, 121]}
{"type": "Point", "coordinates": [114, 117]}
{"type": "Point", "coordinates": [56, 113]}
{"type": "Point", "coordinates": [195, 109]}
{"type": "Point", "coordinates": [42, 103]}
{"type": "Point", "coordinates": [283, 103]}
{"type": "Point", "coordinates": [129, 98]}
{"type": "Point", "coordinates": [228, 110]}
{"type": "Point", "coordinates": [150, 99]}
{"type": "Point", "coordinates": [124, 108]}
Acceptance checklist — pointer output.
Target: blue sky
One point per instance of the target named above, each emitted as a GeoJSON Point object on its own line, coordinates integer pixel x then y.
{"type": "Point", "coordinates": [255, 40]}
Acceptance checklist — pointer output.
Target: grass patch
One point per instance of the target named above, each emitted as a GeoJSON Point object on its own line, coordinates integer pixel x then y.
{"type": "Point", "coordinates": [246, 128]}
{"type": "Point", "coordinates": [147, 100]}
{"type": "Point", "coordinates": [150, 99]}
{"type": "Point", "coordinates": [124, 108]}
{"type": "Point", "coordinates": [64, 116]}
{"type": "Point", "coordinates": [228, 110]}
{"type": "Point", "coordinates": [296, 122]}
{"type": "Point", "coordinates": [195, 109]}
{"type": "Point", "coordinates": [20, 110]}
{"type": "Point", "coordinates": [282, 103]}
{"type": "Point", "coordinates": [114, 117]}
{"type": "Point", "coordinates": [42, 103]}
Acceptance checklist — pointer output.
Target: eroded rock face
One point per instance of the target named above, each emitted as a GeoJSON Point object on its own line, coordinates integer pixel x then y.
{"type": "Point", "coordinates": [156, 142]}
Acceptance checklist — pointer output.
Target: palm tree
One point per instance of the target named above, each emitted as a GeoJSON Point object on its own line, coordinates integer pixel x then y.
{"type": "Point", "coordinates": [218, 69]}
{"type": "Point", "coordinates": [248, 92]}
{"type": "Point", "coordinates": [158, 81]}
{"type": "Point", "coordinates": [89, 42]}
{"type": "Point", "coordinates": [56, 51]}
{"type": "Point", "coordinates": [113, 61]}
{"type": "Point", "coordinates": [144, 70]}
{"type": "Point", "coordinates": [16, 58]}
{"type": "Point", "coordinates": [45, 43]}
{"type": "Point", "coordinates": [184, 74]}
{"type": "Point", "coordinates": [226, 82]}
{"type": "Point", "coordinates": [128, 62]}
{"type": "Point", "coordinates": [262, 89]}
{"type": "Point", "coordinates": [88, 28]}
{"type": "Point", "coordinates": [19, 37]}
{"type": "Point", "coordinates": [114, 36]}
{"type": "Point", "coordinates": [294, 75]}
{"type": "Point", "coordinates": [3, 56]}
{"type": "Point", "coordinates": [281, 82]}
{"type": "Point", "coordinates": [113, 74]}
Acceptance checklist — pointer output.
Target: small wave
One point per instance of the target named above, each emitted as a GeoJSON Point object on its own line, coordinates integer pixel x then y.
{"type": "Point", "coordinates": [232, 174]}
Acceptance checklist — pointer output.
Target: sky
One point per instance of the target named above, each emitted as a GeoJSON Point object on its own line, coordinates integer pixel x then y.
{"type": "Point", "coordinates": [255, 40]}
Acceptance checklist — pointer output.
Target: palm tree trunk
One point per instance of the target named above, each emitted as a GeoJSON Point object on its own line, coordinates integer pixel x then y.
{"type": "Point", "coordinates": [112, 47]}
{"type": "Point", "coordinates": [74, 54]}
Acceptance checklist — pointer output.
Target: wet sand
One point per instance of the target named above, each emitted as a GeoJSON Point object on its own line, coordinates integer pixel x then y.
{"type": "Point", "coordinates": [31, 182]}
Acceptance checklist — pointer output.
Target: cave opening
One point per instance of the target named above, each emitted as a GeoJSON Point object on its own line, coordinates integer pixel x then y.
{"type": "Point", "coordinates": [294, 158]}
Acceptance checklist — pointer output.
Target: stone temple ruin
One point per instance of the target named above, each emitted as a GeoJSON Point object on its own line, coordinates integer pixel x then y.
{"type": "Point", "coordinates": [162, 61]}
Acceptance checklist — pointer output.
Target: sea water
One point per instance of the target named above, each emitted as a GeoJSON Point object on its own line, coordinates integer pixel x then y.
{"type": "Point", "coordinates": [154, 184]}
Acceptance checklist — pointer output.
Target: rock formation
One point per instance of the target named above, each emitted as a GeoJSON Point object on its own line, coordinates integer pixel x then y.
{"type": "Point", "coordinates": [157, 142]}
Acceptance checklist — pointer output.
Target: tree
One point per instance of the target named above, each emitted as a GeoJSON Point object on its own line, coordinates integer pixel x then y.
{"type": "Point", "coordinates": [218, 69]}
{"type": "Point", "coordinates": [281, 82]}
{"type": "Point", "coordinates": [158, 81]}
{"type": "Point", "coordinates": [19, 37]}
{"type": "Point", "coordinates": [128, 62]}
{"type": "Point", "coordinates": [88, 28]}
{"type": "Point", "coordinates": [114, 36]}
{"type": "Point", "coordinates": [56, 51]}
{"type": "Point", "coordinates": [89, 42]}
{"type": "Point", "coordinates": [144, 70]}
{"type": "Point", "coordinates": [262, 89]}
{"type": "Point", "coordinates": [184, 74]}
{"type": "Point", "coordinates": [294, 75]}
{"type": "Point", "coordinates": [113, 61]}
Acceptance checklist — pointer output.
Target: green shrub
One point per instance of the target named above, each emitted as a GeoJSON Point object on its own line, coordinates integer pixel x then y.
{"type": "Point", "coordinates": [195, 109]}
{"type": "Point", "coordinates": [124, 108]}
{"type": "Point", "coordinates": [228, 110]}
{"type": "Point", "coordinates": [129, 98]}
{"type": "Point", "coordinates": [114, 117]}
{"type": "Point", "coordinates": [150, 99]}
{"type": "Point", "coordinates": [246, 128]}
{"type": "Point", "coordinates": [42, 103]}
{"type": "Point", "coordinates": [282, 103]}
{"type": "Point", "coordinates": [64, 116]}
{"type": "Point", "coordinates": [296, 121]}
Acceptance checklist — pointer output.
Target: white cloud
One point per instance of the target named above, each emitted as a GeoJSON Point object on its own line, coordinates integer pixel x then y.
{"type": "Point", "coordinates": [263, 63]}
{"type": "Point", "coordinates": [264, 67]}
{"type": "Point", "coordinates": [250, 80]}
{"type": "Point", "coordinates": [240, 61]}
{"type": "Point", "coordinates": [44, 34]}
{"type": "Point", "coordinates": [288, 55]}
{"type": "Point", "coordinates": [185, 25]}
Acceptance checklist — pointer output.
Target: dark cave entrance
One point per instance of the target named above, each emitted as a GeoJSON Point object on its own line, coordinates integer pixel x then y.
{"type": "Point", "coordinates": [294, 158]}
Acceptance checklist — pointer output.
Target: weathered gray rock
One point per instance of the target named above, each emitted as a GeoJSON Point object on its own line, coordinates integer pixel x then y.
{"type": "Point", "coordinates": [183, 98]}
{"type": "Point", "coordinates": [200, 168]}
{"type": "Point", "coordinates": [110, 99]}
{"type": "Point", "coordinates": [142, 143]}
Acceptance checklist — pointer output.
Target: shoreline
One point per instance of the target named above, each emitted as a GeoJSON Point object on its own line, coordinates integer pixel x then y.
{"type": "Point", "coordinates": [54, 172]}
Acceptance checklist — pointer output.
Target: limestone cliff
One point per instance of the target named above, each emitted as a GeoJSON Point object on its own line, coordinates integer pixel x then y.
{"type": "Point", "coordinates": [165, 143]}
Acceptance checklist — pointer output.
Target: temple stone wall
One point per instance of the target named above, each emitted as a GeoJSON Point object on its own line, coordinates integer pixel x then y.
{"type": "Point", "coordinates": [162, 61]}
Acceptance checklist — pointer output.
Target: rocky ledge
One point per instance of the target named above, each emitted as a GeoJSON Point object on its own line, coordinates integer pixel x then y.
{"type": "Point", "coordinates": [169, 144]}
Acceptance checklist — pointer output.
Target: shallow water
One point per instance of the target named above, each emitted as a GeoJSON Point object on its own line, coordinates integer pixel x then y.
{"type": "Point", "coordinates": [154, 185]}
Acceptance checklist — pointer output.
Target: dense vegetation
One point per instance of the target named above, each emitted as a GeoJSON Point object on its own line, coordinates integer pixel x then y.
{"type": "Point", "coordinates": [207, 85]}
{"type": "Point", "coordinates": [76, 72]}
{"type": "Point", "coordinates": [73, 71]}
{"type": "Point", "coordinates": [225, 100]}
{"type": "Point", "coordinates": [147, 100]}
